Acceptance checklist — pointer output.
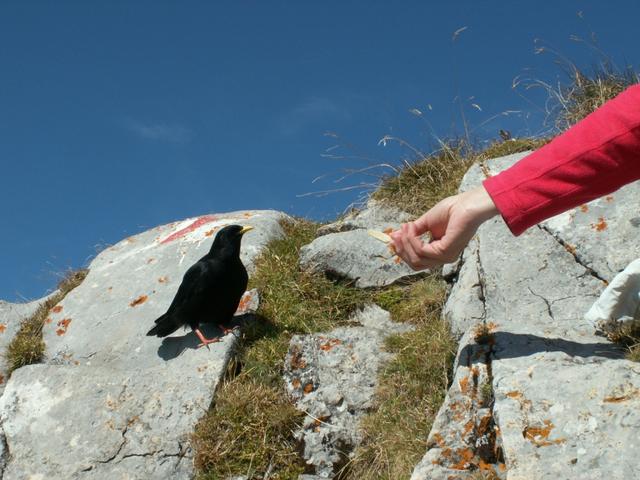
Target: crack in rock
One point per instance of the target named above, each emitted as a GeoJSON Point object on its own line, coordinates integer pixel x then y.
{"type": "Point", "coordinates": [481, 282]}
{"type": "Point", "coordinates": [120, 447]}
{"type": "Point", "coordinates": [572, 251]}
{"type": "Point", "coordinates": [547, 303]}
{"type": "Point", "coordinates": [4, 452]}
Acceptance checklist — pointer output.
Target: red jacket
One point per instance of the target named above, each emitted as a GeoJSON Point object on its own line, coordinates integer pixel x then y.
{"type": "Point", "coordinates": [596, 156]}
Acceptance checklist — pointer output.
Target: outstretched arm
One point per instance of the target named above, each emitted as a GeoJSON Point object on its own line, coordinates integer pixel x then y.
{"type": "Point", "coordinates": [596, 156]}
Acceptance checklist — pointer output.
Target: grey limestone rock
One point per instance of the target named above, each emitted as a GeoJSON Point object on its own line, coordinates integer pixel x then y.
{"type": "Point", "coordinates": [356, 256]}
{"type": "Point", "coordinates": [564, 400]}
{"type": "Point", "coordinates": [332, 377]}
{"type": "Point", "coordinates": [604, 234]}
{"type": "Point", "coordinates": [11, 317]}
{"type": "Point", "coordinates": [345, 250]}
{"type": "Point", "coordinates": [375, 215]}
{"type": "Point", "coordinates": [468, 310]}
{"type": "Point", "coordinates": [110, 402]}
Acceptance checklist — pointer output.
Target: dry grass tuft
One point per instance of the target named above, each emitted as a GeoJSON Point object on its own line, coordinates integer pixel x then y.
{"type": "Point", "coordinates": [411, 387]}
{"type": "Point", "coordinates": [27, 347]}
{"type": "Point", "coordinates": [423, 183]}
{"type": "Point", "coordinates": [249, 432]}
{"type": "Point", "coordinates": [586, 93]}
{"type": "Point", "coordinates": [628, 336]}
{"type": "Point", "coordinates": [634, 351]}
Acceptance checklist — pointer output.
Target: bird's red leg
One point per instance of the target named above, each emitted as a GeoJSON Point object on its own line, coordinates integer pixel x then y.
{"type": "Point", "coordinates": [205, 341]}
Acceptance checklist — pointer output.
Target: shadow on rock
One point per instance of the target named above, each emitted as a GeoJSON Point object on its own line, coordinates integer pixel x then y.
{"type": "Point", "coordinates": [513, 345]}
{"type": "Point", "coordinates": [172, 347]}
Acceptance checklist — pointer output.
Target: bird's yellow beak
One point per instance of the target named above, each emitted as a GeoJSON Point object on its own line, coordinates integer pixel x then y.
{"type": "Point", "coordinates": [245, 229]}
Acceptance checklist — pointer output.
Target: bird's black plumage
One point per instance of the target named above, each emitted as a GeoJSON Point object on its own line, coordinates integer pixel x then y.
{"type": "Point", "coordinates": [211, 289]}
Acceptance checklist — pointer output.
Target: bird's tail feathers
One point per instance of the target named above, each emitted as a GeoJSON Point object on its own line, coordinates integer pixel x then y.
{"type": "Point", "coordinates": [165, 325]}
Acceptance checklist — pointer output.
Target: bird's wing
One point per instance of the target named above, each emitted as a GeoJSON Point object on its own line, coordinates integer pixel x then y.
{"type": "Point", "coordinates": [192, 288]}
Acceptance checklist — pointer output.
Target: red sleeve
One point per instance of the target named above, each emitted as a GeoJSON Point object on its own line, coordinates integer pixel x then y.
{"type": "Point", "coordinates": [596, 156]}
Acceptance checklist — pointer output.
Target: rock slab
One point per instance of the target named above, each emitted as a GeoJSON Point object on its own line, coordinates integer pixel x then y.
{"type": "Point", "coordinates": [375, 215]}
{"type": "Point", "coordinates": [345, 250]}
{"type": "Point", "coordinates": [120, 404]}
{"type": "Point", "coordinates": [332, 377]}
{"type": "Point", "coordinates": [563, 400]}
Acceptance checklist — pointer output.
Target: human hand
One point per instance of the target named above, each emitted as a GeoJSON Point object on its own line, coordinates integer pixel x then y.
{"type": "Point", "coordinates": [452, 223]}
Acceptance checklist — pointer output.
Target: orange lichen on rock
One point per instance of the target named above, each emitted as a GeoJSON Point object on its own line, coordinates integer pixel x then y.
{"type": "Point", "coordinates": [295, 383]}
{"type": "Point", "coordinates": [539, 436]}
{"type": "Point", "coordinates": [2, 328]}
{"type": "Point", "coordinates": [325, 347]}
{"type": "Point", "coordinates": [600, 226]}
{"type": "Point", "coordinates": [459, 410]}
{"type": "Point", "coordinates": [466, 456]}
{"type": "Point", "coordinates": [208, 233]}
{"type": "Point", "coordinates": [468, 427]}
{"type": "Point", "coordinates": [308, 388]}
{"type": "Point", "coordinates": [57, 309]}
{"type": "Point", "coordinates": [627, 394]}
{"type": "Point", "coordinates": [132, 420]}
{"type": "Point", "coordinates": [438, 439]}
{"type": "Point", "coordinates": [614, 399]}
{"type": "Point", "coordinates": [570, 248]}
{"type": "Point", "coordinates": [464, 385]}
{"type": "Point", "coordinates": [609, 198]}
{"type": "Point", "coordinates": [63, 325]}
{"type": "Point", "coordinates": [138, 301]}
{"type": "Point", "coordinates": [514, 394]}
{"type": "Point", "coordinates": [297, 362]}
{"type": "Point", "coordinates": [584, 208]}
{"type": "Point", "coordinates": [244, 303]}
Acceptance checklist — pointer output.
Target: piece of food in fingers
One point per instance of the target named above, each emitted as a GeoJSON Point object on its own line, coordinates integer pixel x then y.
{"type": "Point", "coordinates": [383, 237]}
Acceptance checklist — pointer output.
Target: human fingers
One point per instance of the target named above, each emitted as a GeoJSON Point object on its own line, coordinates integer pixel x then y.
{"type": "Point", "coordinates": [436, 219]}
{"type": "Point", "coordinates": [412, 252]}
{"type": "Point", "coordinates": [416, 241]}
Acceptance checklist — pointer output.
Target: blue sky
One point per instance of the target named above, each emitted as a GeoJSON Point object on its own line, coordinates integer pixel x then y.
{"type": "Point", "coordinates": [119, 116]}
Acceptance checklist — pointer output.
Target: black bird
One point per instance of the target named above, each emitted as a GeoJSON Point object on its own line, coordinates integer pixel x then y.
{"type": "Point", "coordinates": [210, 290]}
